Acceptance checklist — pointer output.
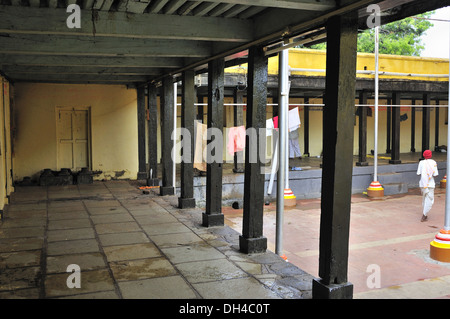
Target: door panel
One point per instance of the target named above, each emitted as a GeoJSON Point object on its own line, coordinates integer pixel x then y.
{"type": "Point", "coordinates": [73, 138]}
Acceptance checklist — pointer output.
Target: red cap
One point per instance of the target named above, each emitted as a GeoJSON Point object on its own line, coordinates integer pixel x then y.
{"type": "Point", "coordinates": [427, 154]}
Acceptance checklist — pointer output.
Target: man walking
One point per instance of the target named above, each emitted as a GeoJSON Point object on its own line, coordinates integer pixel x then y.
{"type": "Point", "coordinates": [427, 170]}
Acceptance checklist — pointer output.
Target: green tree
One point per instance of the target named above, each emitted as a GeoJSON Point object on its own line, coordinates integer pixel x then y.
{"type": "Point", "coordinates": [399, 37]}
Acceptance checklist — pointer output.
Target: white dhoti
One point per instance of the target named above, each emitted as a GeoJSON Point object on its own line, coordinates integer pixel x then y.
{"type": "Point", "coordinates": [427, 199]}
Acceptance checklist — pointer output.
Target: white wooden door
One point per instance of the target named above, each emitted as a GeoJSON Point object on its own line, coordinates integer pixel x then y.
{"type": "Point", "coordinates": [73, 138]}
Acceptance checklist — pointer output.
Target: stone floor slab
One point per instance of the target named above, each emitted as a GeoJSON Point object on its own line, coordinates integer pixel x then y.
{"type": "Point", "coordinates": [125, 227]}
{"type": "Point", "coordinates": [111, 218]}
{"type": "Point", "coordinates": [107, 210]}
{"type": "Point", "coordinates": [175, 240]}
{"type": "Point", "coordinates": [18, 278]}
{"type": "Point", "coordinates": [156, 219]}
{"type": "Point", "coordinates": [173, 287]}
{"type": "Point", "coordinates": [32, 293]}
{"type": "Point", "coordinates": [91, 281]}
{"type": "Point", "coordinates": [72, 247]}
{"type": "Point", "coordinates": [68, 215]}
{"type": "Point", "coordinates": [70, 234]}
{"type": "Point", "coordinates": [86, 261]}
{"type": "Point", "coordinates": [210, 270]}
{"type": "Point", "coordinates": [130, 252]}
{"type": "Point", "coordinates": [128, 270]}
{"type": "Point", "coordinates": [115, 239]}
{"type": "Point", "coordinates": [20, 259]}
{"type": "Point", "coordinates": [94, 295]}
{"type": "Point", "coordinates": [192, 253]}
{"type": "Point", "coordinates": [166, 228]}
{"type": "Point", "coordinates": [18, 244]}
{"type": "Point", "coordinates": [24, 222]}
{"type": "Point", "coordinates": [241, 288]}
{"type": "Point", "coordinates": [101, 203]}
{"type": "Point", "coordinates": [22, 232]}
{"type": "Point", "coordinates": [69, 223]}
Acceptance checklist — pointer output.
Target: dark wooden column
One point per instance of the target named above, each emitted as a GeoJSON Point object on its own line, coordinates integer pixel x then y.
{"type": "Point", "coordinates": [213, 215]}
{"type": "Point", "coordinates": [413, 126]}
{"type": "Point", "coordinates": [152, 127]}
{"type": "Point", "coordinates": [388, 126]}
{"type": "Point", "coordinates": [436, 126]}
{"type": "Point", "coordinates": [200, 108]}
{"type": "Point", "coordinates": [252, 239]}
{"type": "Point", "coordinates": [167, 111]}
{"type": "Point", "coordinates": [142, 169]}
{"type": "Point", "coordinates": [395, 151]}
{"type": "Point", "coordinates": [306, 127]}
{"type": "Point", "coordinates": [362, 139]}
{"type": "Point", "coordinates": [238, 98]}
{"type": "Point", "coordinates": [426, 123]}
{"type": "Point", "coordinates": [337, 159]}
{"type": "Point", "coordinates": [187, 200]}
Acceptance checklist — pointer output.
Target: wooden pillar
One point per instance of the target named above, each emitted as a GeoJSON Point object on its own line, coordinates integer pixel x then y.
{"type": "Point", "coordinates": [187, 200]}
{"type": "Point", "coordinates": [167, 112]}
{"type": "Point", "coordinates": [152, 127]}
{"type": "Point", "coordinates": [388, 126]}
{"type": "Point", "coordinates": [252, 239]}
{"type": "Point", "coordinates": [200, 108]}
{"type": "Point", "coordinates": [436, 126]}
{"type": "Point", "coordinates": [425, 123]}
{"type": "Point", "coordinates": [337, 158]}
{"type": "Point", "coordinates": [142, 170]}
{"type": "Point", "coordinates": [306, 127]}
{"type": "Point", "coordinates": [238, 98]}
{"type": "Point", "coordinates": [362, 139]}
{"type": "Point", "coordinates": [213, 215]}
{"type": "Point", "coordinates": [395, 151]}
{"type": "Point", "coordinates": [413, 126]}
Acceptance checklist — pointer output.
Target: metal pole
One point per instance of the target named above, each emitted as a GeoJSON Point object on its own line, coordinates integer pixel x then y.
{"type": "Point", "coordinates": [175, 88]}
{"type": "Point", "coordinates": [447, 193]}
{"type": "Point", "coordinates": [375, 155]}
{"type": "Point", "coordinates": [281, 174]}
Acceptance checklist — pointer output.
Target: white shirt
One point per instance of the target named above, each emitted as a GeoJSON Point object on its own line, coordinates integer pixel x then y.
{"type": "Point", "coordinates": [427, 169]}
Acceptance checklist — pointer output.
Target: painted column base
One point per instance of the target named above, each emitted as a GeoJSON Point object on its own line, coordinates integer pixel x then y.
{"type": "Point", "coordinates": [289, 198]}
{"type": "Point", "coordinates": [166, 190]}
{"type": "Point", "coordinates": [333, 291]}
{"type": "Point", "coordinates": [186, 202]}
{"type": "Point", "coordinates": [252, 245]}
{"type": "Point", "coordinates": [375, 190]}
{"type": "Point", "coordinates": [439, 252]}
{"type": "Point", "coordinates": [440, 247]}
{"type": "Point", "coordinates": [211, 220]}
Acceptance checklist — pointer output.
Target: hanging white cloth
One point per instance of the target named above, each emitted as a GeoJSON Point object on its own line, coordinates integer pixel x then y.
{"type": "Point", "coordinates": [294, 119]}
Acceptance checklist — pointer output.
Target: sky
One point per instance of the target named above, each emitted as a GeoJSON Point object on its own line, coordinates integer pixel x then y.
{"type": "Point", "coordinates": [437, 38]}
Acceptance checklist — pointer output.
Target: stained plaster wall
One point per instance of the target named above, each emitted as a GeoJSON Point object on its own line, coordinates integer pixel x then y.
{"type": "Point", "coordinates": [113, 127]}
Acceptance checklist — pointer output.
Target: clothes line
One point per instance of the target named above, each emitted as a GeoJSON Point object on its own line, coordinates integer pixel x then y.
{"type": "Point", "coordinates": [303, 104]}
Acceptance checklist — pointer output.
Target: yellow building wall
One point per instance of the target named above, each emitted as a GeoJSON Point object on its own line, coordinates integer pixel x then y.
{"type": "Point", "coordinates": [6, 184]}
{"type": "Point", "coordinates": [412, 67]}
{"type": "Point", "coordinates": [113, 111]}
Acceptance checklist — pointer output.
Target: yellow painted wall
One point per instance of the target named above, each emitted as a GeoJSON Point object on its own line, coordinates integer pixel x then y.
{"type": "Point", "coordinates": [113, 127]}
{"type": "Point", "coordinates": [316, 59]}
{"type": "Point", "coordinates": [6, 186]}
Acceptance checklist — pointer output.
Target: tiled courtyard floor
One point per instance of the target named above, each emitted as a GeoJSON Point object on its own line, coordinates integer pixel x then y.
{"type": "Point", "coordinates": [386, 236]}
{"type": "Point", "coordinates": [129, 245]}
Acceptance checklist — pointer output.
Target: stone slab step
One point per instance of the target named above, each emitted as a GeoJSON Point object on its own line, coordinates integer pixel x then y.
{"type": "Point", "coordinates": [395, 188]}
